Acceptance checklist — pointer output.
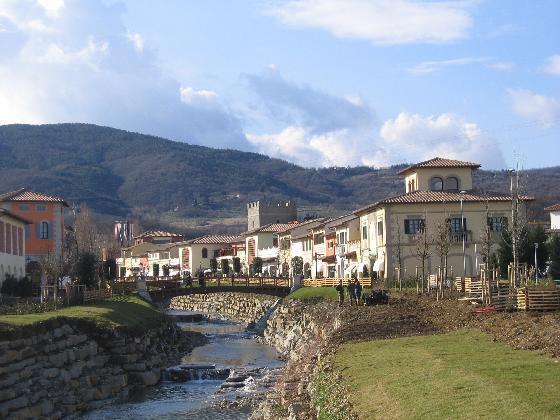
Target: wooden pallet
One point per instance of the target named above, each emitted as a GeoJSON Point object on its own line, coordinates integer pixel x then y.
{"type": "Point", "coordinates": [538, 299]}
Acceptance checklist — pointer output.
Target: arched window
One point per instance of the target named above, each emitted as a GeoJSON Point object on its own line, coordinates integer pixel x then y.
{"type": "Point", "coordinates": [44, 233]}
{"type": "Point", "coordinates": [204, 253]}
{"type": "Point", "coordinates": [452, 183]}
{"type": "Point", "coordinates": [436, 184]}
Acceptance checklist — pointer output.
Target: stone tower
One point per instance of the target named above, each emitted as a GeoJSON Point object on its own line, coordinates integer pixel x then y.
{"type": "Point", "coordinates": [261, 213]}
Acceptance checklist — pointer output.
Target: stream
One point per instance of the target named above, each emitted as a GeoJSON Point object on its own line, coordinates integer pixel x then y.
{"type": "Point", "coordinates": [211, 381]}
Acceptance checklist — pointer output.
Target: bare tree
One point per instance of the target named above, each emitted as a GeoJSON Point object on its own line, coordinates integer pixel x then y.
{"type": "Point", "coordinates": [86, 234]}
{"type": "Point", "coordinates": [398, 251]}
{"type": "Point", "coordinates": [486, 241]}
{"type": "Point", "coordinates": [424, 242]}
{"type": "Point", "coordinates": [442, 245]}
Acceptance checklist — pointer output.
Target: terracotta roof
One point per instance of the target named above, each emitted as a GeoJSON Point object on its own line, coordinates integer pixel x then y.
{"type": "Point", "coordinates": [157, 233]}
{"type": "Point", "coordinates": [13, 216]}
{"type": "Point", "coordinates": [425, 197]}
{"type": "Point", "coordinates": [23, 194]}
{"type": "Point", "coordinates": [304, 229]}
{"type": "Point", "coordinates": [554, 207]}
{"type": "Point", "coordinates": [214, 239]}
{"type": "Point", "coordinates": [438, 162]}
{"type": "Point", "coordinates": [339, 221]}
{"type": "Point", "coordinates": [273, 227]}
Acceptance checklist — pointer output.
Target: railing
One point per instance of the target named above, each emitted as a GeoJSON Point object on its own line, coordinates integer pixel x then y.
{"type": "Point", "coordinates": [328, 282]}
{"type": "Point", "coordinates": [100, 294]}
{"type": "Point", "coordinates": [457, 237]}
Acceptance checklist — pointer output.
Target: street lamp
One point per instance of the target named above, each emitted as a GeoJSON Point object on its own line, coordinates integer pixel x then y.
{"type": "Point", "coordinates": [536, 264]}
{"type": "Point", "coordinates": [462, 193]}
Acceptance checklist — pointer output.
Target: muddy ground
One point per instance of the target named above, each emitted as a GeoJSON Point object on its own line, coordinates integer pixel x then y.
{"type": "Point", "coordinates": [409, 314]}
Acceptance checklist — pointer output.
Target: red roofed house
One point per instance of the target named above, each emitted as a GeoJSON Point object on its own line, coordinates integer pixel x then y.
{"type": "Point", "coordinates": [438, 192]}
{"type": "Point", "coordinates": [44, 235]}
{"type": "Point", "coordinates": [12, 245]}
{"type": "Point", "coordinates": [195, 254]}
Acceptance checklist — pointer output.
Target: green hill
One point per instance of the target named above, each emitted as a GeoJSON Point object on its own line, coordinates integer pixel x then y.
{"type": "Point", "coordinates": [119, 173]}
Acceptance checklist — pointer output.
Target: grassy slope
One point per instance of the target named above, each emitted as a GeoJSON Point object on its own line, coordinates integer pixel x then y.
{"type": "Point", "coordinates": [457, 375]}
{"type": "Point", "coordinates": [129, 311]}
{"type": "Point", "coordinates": [314, 293]}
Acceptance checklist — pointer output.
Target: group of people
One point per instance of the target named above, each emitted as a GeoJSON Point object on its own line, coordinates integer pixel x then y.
{"type": "Point", "coordinates": [354, 290]}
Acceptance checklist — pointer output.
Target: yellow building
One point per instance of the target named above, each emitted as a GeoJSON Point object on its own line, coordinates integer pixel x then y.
{"type": "Point", "coordinates": [441, 206]}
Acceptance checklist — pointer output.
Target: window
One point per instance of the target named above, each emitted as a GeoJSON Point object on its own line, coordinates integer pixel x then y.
{"type": "Point", "coordinates": [27, 232]}
{"type": "Point", "coordinates": [452, 183]}
{"type": "Point", "coordinates": [204, 253]}
{"type": "Point", "coordinates": [364, 232]}
{"type": "Point", "coordinates": [380, 228]}
{"type": "Point", "coordinates": [455, 224]}
{"type": "Point", "coordinates": [331, 244]}
{"type": "Point", "coordinates": [41, 207]}
{"type": "Point", "coordinates": [275, 241]}
{"type": "Point", "coordinates": [24, 207]}
{"type": "Point", "coordinates": [216, 253]}
{"type": "Point", "coordinates": [44, 230]}
{"type": "Point", "coordinates": [497, 224]}
{"type": "Point", "coordinates": [436, 184]}
{"type": "Point", "coordinates": [341, 238]}
{"type": "Point", "coordinates": [2, 237]}
{"type": "Point", "coordinates": [413, 226]}
{"type": "Point", "coordinates": [318, 238]}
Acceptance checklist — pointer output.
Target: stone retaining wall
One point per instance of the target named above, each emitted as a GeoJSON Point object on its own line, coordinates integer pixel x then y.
{"type": "Point", "coordinates": [300, 331]}
{"type": "Point", "coordinates": [243, 307]}
{"type": "Point", "coordinates": [63, 367]}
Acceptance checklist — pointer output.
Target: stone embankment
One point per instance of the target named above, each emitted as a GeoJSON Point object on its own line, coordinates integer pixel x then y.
{"type": "Point", "coordinates": [64, 367]}
{"type": "Point", "coordinates": [300, 332]}
{"type": "Point", "coordinates": [247, 308]}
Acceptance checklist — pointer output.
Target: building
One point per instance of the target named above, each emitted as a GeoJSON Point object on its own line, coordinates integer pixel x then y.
{"type": "Point", "coordinates": [302, 245]}
{"type": "Point", "coordinates": [264, 213]}
{"type": "Point", "coordinates": [439, 197]}
{"type": "Point", "coordinates": [195, 254]}
{"type": "Point", "coordinates": [44, 235]}
{"type": "Point", "coordinates": [554, 211]}
{"type": "Point", "coordinates": [263, 242]}
{"type": "Point", "coordinates": [12, 245]}
{"type": "Point", "coordinates": [157, 237]}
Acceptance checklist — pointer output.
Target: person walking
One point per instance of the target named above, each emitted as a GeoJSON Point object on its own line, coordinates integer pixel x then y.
{"type": "Point", "coordinates": [201, 280]}
{"type": "Point", "coordinates": [340, 290]}
{"type": "Point", "coordinates": [358, 292]}
{"type": "Point", "coordinates": [351, 292]}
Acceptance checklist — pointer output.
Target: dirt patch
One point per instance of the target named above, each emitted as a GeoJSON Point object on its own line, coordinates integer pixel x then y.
{"type": "Point", "coordinates": [409, 314]}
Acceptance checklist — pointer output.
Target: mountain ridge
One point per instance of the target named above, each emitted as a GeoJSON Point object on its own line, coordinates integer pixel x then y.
{"type": "Point", "coordinates": [121, 173]}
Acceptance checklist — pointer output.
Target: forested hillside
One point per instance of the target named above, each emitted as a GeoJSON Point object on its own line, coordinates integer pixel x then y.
{"type": "Point", "coordinates": [119, 173]}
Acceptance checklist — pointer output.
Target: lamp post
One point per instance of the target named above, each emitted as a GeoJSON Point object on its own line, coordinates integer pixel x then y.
{"type": "Point", "coordinates": [536, 264]}
{"type": "Point", "coordinates": [463, 235]}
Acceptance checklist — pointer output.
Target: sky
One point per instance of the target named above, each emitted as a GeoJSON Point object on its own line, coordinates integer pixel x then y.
{"type": "Point", "coordinates": [314, 82]}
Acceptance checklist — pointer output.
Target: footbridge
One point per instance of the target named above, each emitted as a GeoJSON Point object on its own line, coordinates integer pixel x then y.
{"type": "Point", "coordinates": [161, 289]}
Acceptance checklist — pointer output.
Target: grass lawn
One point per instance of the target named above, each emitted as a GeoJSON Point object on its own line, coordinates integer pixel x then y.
{"type": "Point", "coordinates": [457, 375]}
{"type": "Point", "coordinates": [314, 293]}
{"type": "Point", "coordinates": [129, 311]}
{"type": "Point", "coordinates": [322, 293]}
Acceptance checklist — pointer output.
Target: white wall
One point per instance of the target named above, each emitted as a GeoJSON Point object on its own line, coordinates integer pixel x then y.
{"type": "Point", "coordinates": [555, 219]}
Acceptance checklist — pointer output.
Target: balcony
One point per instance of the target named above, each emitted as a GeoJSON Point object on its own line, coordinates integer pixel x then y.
{"type": "Point", "coordinates": [341, 249]}
{"type": "Point", "coordinates": [458, 237]}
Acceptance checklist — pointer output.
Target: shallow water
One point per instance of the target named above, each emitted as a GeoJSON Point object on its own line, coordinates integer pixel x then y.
{"type": "Point", "coordinates": [229, 346]}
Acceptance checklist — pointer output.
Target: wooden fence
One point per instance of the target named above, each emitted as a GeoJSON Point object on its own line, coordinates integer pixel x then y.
{"type": "Point", "coordinates": [531, 299]}
{"type": "Point", "coordinates": [93, 295]}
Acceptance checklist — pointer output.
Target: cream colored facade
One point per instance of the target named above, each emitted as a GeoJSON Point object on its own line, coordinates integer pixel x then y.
{"type": "Point", "coordinates": [12, 245]}
{"type": "Point", "coordinates": [394, 224]}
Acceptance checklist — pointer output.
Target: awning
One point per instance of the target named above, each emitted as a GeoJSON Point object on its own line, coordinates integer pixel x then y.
{"type": "Point", "coordinates": [351, 254]}
{"type": "Point", "coordinates": [378, 265]}
{"type": "Point", "coordinates": [330, 259]}
{"type": "Point", "coordinates": [350, 268]}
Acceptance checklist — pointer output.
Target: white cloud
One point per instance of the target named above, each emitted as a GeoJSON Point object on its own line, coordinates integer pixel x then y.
{"type": "Point", "coordinates": [381, 21]}
{"type": "Point", "coordinates": [192, 96]}
{"type": "Point", "coordinates": [552, 65]}
{"type": "Point", "coordinates": [298, 144]}
{"type": "Point", "coordinates": [437, 65]}
{"type": "Point", "coordinates": [75, 61]}
{"type": "Point", "coordinates": [137, 40]}
{"type": "Point", "coordinates": [534, 107]}
{"type": "Point", "coordinates": [413, 137]}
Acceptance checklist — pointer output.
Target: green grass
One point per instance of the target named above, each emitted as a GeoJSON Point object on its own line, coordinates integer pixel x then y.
{"type": "Point", "coordinates": [329, 293]}
{"type": "Point", "coordinates": [306, 293]}
{"type": "Point", "coordinates": [457, 375]}
{"type": "Point", "coordinates": [125, 311]}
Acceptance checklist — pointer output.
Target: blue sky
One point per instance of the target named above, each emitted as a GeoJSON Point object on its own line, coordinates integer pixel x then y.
{"type": "Point", "coordinates": [315, 82]}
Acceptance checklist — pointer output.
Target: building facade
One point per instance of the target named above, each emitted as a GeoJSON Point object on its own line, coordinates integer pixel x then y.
{"type": "Point", "coordinates": [44, 235]}
{"type": "Point", "coordinates": [434, 210]}
{"type": "Point", "coordinates": [12, 245]}
{"type": "Point", "coordinates": [263, 213]}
